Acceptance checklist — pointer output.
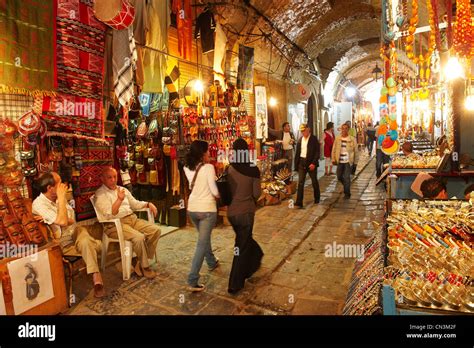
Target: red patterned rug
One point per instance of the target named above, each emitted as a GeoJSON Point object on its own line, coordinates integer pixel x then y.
{"type": "Point", "coordinates": [95, 157]}
{"type": "Point", "coordinates": [80, 64]}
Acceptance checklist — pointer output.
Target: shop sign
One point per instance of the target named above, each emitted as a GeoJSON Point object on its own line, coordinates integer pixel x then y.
{"type": "Point", "coordinates": [261, 112]}
{"type": "Point", "coordinates": [342, 114]}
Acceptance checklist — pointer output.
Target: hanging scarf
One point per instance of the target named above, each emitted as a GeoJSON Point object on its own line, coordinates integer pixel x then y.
{"type": "Point", "coordinates": [124, 62]}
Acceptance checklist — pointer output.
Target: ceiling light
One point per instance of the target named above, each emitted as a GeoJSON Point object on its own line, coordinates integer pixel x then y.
{"type": "Point", "coordinates": [453, 69]}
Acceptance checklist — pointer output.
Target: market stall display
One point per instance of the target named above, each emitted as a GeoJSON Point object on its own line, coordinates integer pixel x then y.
{"type": "Point", "coordinates": [364, 296]}
{"type": "Point", "coordinates": [430, 261]}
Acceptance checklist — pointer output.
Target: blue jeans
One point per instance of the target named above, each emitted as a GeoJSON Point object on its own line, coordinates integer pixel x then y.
{"type": "Point", "coordinates": [204, 223]}
{"type": "Point", "coordinates": [344, 176]}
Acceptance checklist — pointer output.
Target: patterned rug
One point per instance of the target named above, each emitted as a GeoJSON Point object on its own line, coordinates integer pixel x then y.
{"type": "Point", "coordinates": [95, 157]}
{"type": "Point", "coordinates": [27, 47]}
{"type": "Point", "coordinates": [80, 64]}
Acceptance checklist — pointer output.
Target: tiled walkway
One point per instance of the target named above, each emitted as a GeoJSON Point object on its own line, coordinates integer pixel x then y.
{"type": "Point", "coordinates": [295, 277]}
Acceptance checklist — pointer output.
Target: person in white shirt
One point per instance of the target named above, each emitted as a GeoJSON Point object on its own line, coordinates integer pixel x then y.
{"type": "Point", "coordinates": [115, 202]}
{"type": "Point", "coordinates": [202, 208]}
{"type": "Point", "coordinates": [307, 162]}
{"type": "Point", "coordinates": [52, 206]}
{"type": "Point", "coordinates": [344, 155]}
{"type": "Point", "coordinates": [288, 141]}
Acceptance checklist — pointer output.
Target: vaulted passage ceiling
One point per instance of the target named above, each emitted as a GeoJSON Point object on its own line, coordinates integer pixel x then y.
{"type": "Point", "coordinates": [333, 33]}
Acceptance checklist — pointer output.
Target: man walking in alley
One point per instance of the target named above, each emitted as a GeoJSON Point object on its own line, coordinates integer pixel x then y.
{"type": "Point", "coordinates": [344, 155]}
{"type": "Point", "coordinates": [380, 157]}
{"type": "Point", "coordinates": [307, 161]}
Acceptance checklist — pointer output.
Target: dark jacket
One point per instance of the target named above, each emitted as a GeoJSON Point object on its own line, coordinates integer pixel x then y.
{"type": "Point", "coordinates": [312, 154]}
{"type": "Point", "coordinates": [245, 192]}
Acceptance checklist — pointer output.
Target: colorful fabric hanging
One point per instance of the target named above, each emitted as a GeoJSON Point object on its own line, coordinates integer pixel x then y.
{"type": "Point", "coordinates": [245, 74]}
{"type": "Point", "coordinates": [124, 62]}
{"type": "Point", "coordinates": [77, 108]}
{"type": "Point", "coordinates": [205, 28]}
{"type": "Point", "coordinates": [157, 38]}
{"type": "Point", "coordinates": [28, 47]}
{"type": "Point", "coordinates": [219, 54]}
{"type": "Point", "coordinates": [182, 10]}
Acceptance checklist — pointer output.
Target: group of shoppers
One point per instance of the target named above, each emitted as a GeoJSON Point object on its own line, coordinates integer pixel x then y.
{"type": "Point", "coordinates": [244, 183]}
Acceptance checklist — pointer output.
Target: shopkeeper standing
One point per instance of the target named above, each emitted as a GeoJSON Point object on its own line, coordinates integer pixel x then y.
{"type": "Point", "coordinates": [285, 135]}
{"type": "Point", "coordinates": [307, 162]}
{"type": "Point", "coordinates": [52, 206]}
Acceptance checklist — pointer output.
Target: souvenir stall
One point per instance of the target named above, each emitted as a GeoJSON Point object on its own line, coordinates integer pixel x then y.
{"type": "Point", "coordinates": [424, 99]}
{"type": "Point", "coordinates": [425, 251]}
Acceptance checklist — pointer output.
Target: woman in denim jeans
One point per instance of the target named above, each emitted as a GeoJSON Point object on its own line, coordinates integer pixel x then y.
{"type": "Point", "coordinates": [201, 207]}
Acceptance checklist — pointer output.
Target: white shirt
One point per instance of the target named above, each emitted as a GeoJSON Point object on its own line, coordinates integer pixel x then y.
{"type": "Point", "coordinates": [286, 141]}
{"type": "Point", "coordinates": [48, 210]}
{"type": "Point", "coordinates": [344, 157]}
{"type": "Point", "coordinates": [304, 147]}
{"type": "Point", "coordinates": [105, 198]}
{"type": "Point", "coordinates": [202, 198]}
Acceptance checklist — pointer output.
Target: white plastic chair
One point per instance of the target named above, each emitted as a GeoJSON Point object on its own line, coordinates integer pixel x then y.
{"type": "Point", "coordinates": [126, 248]}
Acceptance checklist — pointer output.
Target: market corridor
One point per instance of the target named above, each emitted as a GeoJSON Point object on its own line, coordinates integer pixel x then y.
{"type": "Point", "coordinates": [295, 277]}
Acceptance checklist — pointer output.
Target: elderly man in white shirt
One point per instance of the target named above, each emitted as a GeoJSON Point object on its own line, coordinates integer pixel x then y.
{"type": "Point", "coordinates": [52, 206]}
{"type": "Point", "coordinates": [114, 202]}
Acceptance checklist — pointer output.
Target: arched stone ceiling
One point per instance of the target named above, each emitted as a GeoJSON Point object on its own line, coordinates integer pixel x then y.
{"type": "Point", "coordinates": [326, 29]}
{"type": "Point", "coordinates": [333, 33]}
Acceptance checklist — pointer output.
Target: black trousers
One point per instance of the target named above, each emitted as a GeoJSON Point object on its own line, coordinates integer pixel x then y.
{"type": "Point", "coordinates": [247, 253]}
{"type": "Point", "coordinates": [302, 171]}
{"type": "Point", "coordinates": [380, 160]}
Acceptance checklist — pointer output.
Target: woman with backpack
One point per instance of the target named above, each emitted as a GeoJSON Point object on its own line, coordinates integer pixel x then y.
{"type": "Point", "coordinates": [202, 208]}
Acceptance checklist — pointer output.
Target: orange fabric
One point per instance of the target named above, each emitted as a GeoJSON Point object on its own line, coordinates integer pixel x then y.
{"type": "Point", "coordinates": [182, 10]}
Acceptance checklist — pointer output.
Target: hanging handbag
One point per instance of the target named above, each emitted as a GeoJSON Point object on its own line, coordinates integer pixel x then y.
{"type": "Point", "coordinates": [142, 130]}
{"type": "Point", "coordinates": [223, 186]}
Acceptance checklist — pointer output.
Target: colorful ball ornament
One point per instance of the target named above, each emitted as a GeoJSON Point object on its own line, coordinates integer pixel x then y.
{"type": "Point", "coordinates": [383, 99]}
{"type": "Point", "coordinates": [391, 150]}
{"type": "Point", "coordinates": [391, 82]}
{"type": "Point", "coordinates": [393, 134]}
{"type": "Point", "coordinates": [392, 117]}
{"type": "Point", "coordinates": [392, 91]}
{"type": "Point", "coordinates": [394, 125]}
{"type": "Point", "coordinates": [387, 143]}
{"type": "Point", "coordinates": [384, 91]}
{"type": "Point", "coordinates": [383, 129]}
{"type": "Point", "coordinates": [383, 121]}
{"type": "Point", "coordinates": [380, 139]}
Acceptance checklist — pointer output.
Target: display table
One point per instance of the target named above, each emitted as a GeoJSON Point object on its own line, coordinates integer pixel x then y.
{"type": "Point", "coordinates": [58, 303]}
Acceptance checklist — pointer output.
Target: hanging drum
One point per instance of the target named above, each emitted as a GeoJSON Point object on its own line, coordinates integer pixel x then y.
{"type": "Point", "coordinates": [117, 14]}
{"type": "Point", "coordinates": [191, 95]}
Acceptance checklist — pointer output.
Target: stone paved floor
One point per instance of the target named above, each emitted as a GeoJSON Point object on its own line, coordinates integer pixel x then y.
{"type": "Point", "coordinates": [295, 277]}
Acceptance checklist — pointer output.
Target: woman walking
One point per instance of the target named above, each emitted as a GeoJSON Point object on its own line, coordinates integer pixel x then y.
{"type": "Point", "coordinates": [202, 208]}
{"type": "Point", "coordinates": [328, 144]}
{"type": "Point", "coordinates": [244, 180]}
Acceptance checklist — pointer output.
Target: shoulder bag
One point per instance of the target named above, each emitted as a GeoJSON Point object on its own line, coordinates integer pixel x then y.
{"type": "Point", "coordinates": [223, 186]}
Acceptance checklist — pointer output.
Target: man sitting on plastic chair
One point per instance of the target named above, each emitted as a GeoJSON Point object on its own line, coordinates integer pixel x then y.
{"type": "Point", "coordinates": [52, 206]}
{"type": "Point", "coordinates": [115, 202]}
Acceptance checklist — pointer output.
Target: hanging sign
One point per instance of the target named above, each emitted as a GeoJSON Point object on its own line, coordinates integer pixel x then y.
{"type": "Point", "coordinates": [261, 112]}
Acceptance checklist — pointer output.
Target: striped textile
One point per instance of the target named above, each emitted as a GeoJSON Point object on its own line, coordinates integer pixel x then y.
{"type": "Point", "coordinates": [124, 63]}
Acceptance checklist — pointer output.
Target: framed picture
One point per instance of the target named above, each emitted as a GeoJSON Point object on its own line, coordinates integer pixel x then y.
{"type": "Point", "coordinates": [31, 281]}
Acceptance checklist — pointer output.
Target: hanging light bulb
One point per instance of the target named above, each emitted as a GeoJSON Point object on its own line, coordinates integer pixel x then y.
{"type": "Point", "coordinates": [453, 69]}
{"type": "Point", "coordinates": [198, 86]}
{"type": "Point", "coordinates": [350, 92]}
{"type": "Point", "coordinates": [272, 102]}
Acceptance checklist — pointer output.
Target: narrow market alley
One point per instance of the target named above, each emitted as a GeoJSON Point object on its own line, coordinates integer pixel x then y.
{"type": "Point", "coordinates": [295, 278]}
